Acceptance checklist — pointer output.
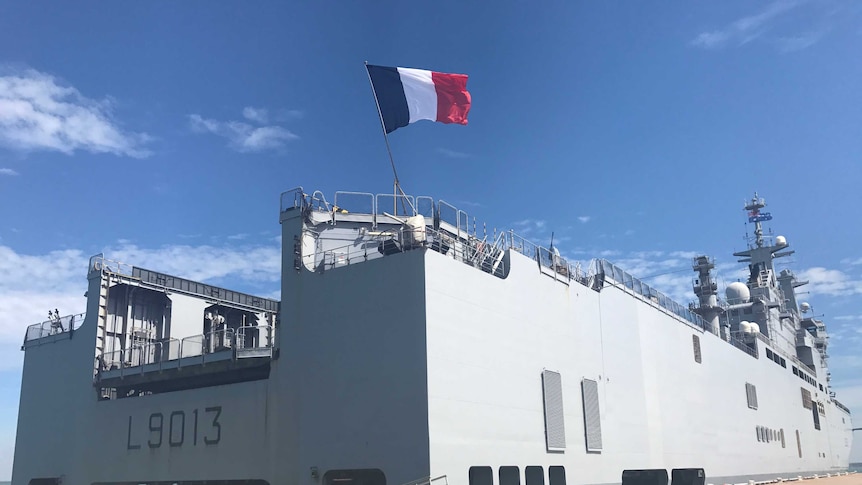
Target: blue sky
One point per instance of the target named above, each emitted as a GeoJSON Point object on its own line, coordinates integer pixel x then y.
{"type": "Point", "coordinates": [163, 133]}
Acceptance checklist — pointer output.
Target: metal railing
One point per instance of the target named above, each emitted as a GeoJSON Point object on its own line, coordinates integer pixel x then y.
{"type": "Point", "coordinates": [454, 226]}
{"type": "Point", "coordinates": [100, 263]}
{"type": "Point", "coordinates": [54, 327]}
{"type": "Point", "coordinates": [486, 256]}
{"type": "Point", "coordinates": [174, 351]}
{"type": "Point", "coordinates": [744, 347]}
{"type": "Point", "coordinates": [650, 294]}
{"type": "Point", "coordinates": [841, 406]}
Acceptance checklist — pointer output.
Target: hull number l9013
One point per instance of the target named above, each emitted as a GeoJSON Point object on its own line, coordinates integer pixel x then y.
{"type": "Point", "coordinates": [170, 429]}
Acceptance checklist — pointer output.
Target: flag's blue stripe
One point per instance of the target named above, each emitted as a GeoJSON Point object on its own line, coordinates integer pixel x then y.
{"type": "Point", "coordinates": [390, 96]}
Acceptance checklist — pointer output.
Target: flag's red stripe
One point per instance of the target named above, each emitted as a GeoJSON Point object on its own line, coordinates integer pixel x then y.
{"type": "Point", "coordinates": [453, 99]}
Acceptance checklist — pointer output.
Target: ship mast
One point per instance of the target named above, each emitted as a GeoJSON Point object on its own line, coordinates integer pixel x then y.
{"type": "Point", "coordinates": [754, 215]}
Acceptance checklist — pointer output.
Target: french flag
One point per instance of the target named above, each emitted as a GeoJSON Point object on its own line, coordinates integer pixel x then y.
{"type": "Point", "coordinates": [408, 95]}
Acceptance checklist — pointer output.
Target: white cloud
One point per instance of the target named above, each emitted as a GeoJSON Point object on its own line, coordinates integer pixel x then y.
{"type": "Point", "coordinates": [38, 113]}
{"type": "Point", "coordinates": [452, 153]}
{"type": "Point", "coordinates": [527, 227]}
{"type": "Point", "coordinates": [289, 114]}
{"type": "Point", "coordinates": [242, 136]}
{"type": "Point", "coordinates": [8, 171]}
{"type": "Point", "coordinates": [258, 115]}
{"type": "Point", "coordinates": [799, 42]}
{"type": "Point", "coordinates": [830, 282]}
{"type": "Point", "coordinates": [747, 29]}
{"type": "Point", "coordinates": [584, 219]}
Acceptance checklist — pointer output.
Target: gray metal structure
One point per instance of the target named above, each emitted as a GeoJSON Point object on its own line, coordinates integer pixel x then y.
{"type": "Point", "coordinates": [410, 348]}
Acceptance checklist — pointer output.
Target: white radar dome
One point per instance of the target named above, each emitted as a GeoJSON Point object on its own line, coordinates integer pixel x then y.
{"type": "Point", "coordinates": [755, 328]}
{"type": "Point", "coordinates": [744, 327]}
{"type": "Point", "coordinates": [780, 241]}
{"type": "Point", "coordinates": [737, 292]}
{"type": "Point", "coordinates": [804, 306]}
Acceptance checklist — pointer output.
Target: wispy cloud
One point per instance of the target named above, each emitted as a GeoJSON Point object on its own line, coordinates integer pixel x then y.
{"type": "Point", "coordinates": [237, 237]}
{"type": "Point", "coordinates": [584, 219]}
{"type": "Point", "coordinates": [38, 112]}
{"type": "Point", "coordinates": [749, 28]}
{"type": "Point", "coordinates": [258, 115]}
{"type": "Point", "coordinates": [8, 171]}
{"type": "Point", "coordinates": [242, 136]}
{"type": "Point", "coordinates": [831, 282]}
{"type": "Point", "coordinates": [452, 153]}
{"type": "Point", "coordinates": [799, 42]}
{"type": "Point", "coordinates": [529, 227]}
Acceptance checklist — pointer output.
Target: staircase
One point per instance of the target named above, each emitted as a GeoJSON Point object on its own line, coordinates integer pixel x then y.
{"type": "Point", "coordinates": [102, 320]}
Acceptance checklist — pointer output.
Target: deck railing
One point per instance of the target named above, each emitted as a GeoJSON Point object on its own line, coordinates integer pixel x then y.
{"type": "Point", "coordinates": [172, 349]}
{"type": "Point", "coordinates": [649, 294]}
{"type": "Point", "coordinates": [54, 326]}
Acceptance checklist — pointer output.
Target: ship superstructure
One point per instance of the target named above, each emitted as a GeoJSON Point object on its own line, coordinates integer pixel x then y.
{"type": "Point", "coordinates": [410, 347]}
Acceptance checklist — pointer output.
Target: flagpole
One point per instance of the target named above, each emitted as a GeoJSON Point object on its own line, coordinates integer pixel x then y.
{"type": "Point", "coordinates": [386, 138]}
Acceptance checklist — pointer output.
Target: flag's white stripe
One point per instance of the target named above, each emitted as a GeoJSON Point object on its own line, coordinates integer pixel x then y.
{"type": "Point", "coordinates": [420, 93]}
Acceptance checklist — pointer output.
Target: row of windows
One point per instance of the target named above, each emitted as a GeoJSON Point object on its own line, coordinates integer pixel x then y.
{"type": "Point", "coordinates": [776, 358]}
{"type": "Point", "coordinates": [768, 435]}
{"type": "Point", "coordinates": [535, 475]}
{"type": "Point", "coordinates": [805, 377]}
{"type": "Point", "coordinates": [511, 475]}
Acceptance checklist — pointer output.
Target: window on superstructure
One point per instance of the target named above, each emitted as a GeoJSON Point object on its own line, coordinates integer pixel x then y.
{"type": "Point", "coordinates": [795, 371]}
{"type": "Point", "coordinates": [556, 475]}
{"type": "Point", "coordinates": [481, 475]}
{"type": "Point", "coordinates": [751, 395]}
{"type": "Point", "coordinates": [534, 475]}
{"type": "Point", "coordinates": [821, 387]}
{"type": "Point", "coordinates": [783, 363]}
{"type": "Point", "coordinates": [759, 434]}
{"type": "Point", "coordinates": [769, 354]}
{"type": "Point", "coordinates": [781, 434]}
{"type": "Point", "coordinates": [510, 475]}
{"type": "Point", "coordinates": [695, 341]}
{"type": "Point", "coordinates": [816, 416]}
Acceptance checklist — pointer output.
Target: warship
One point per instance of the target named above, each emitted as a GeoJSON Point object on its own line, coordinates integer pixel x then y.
{"type": "Point", "coordinates": [408, 347]}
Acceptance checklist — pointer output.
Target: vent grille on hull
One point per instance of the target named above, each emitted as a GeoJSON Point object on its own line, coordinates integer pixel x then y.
{"type": "Point", "coordinates": [555, 429]}
{"type": "Point", "coordinates": [592, 416]}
